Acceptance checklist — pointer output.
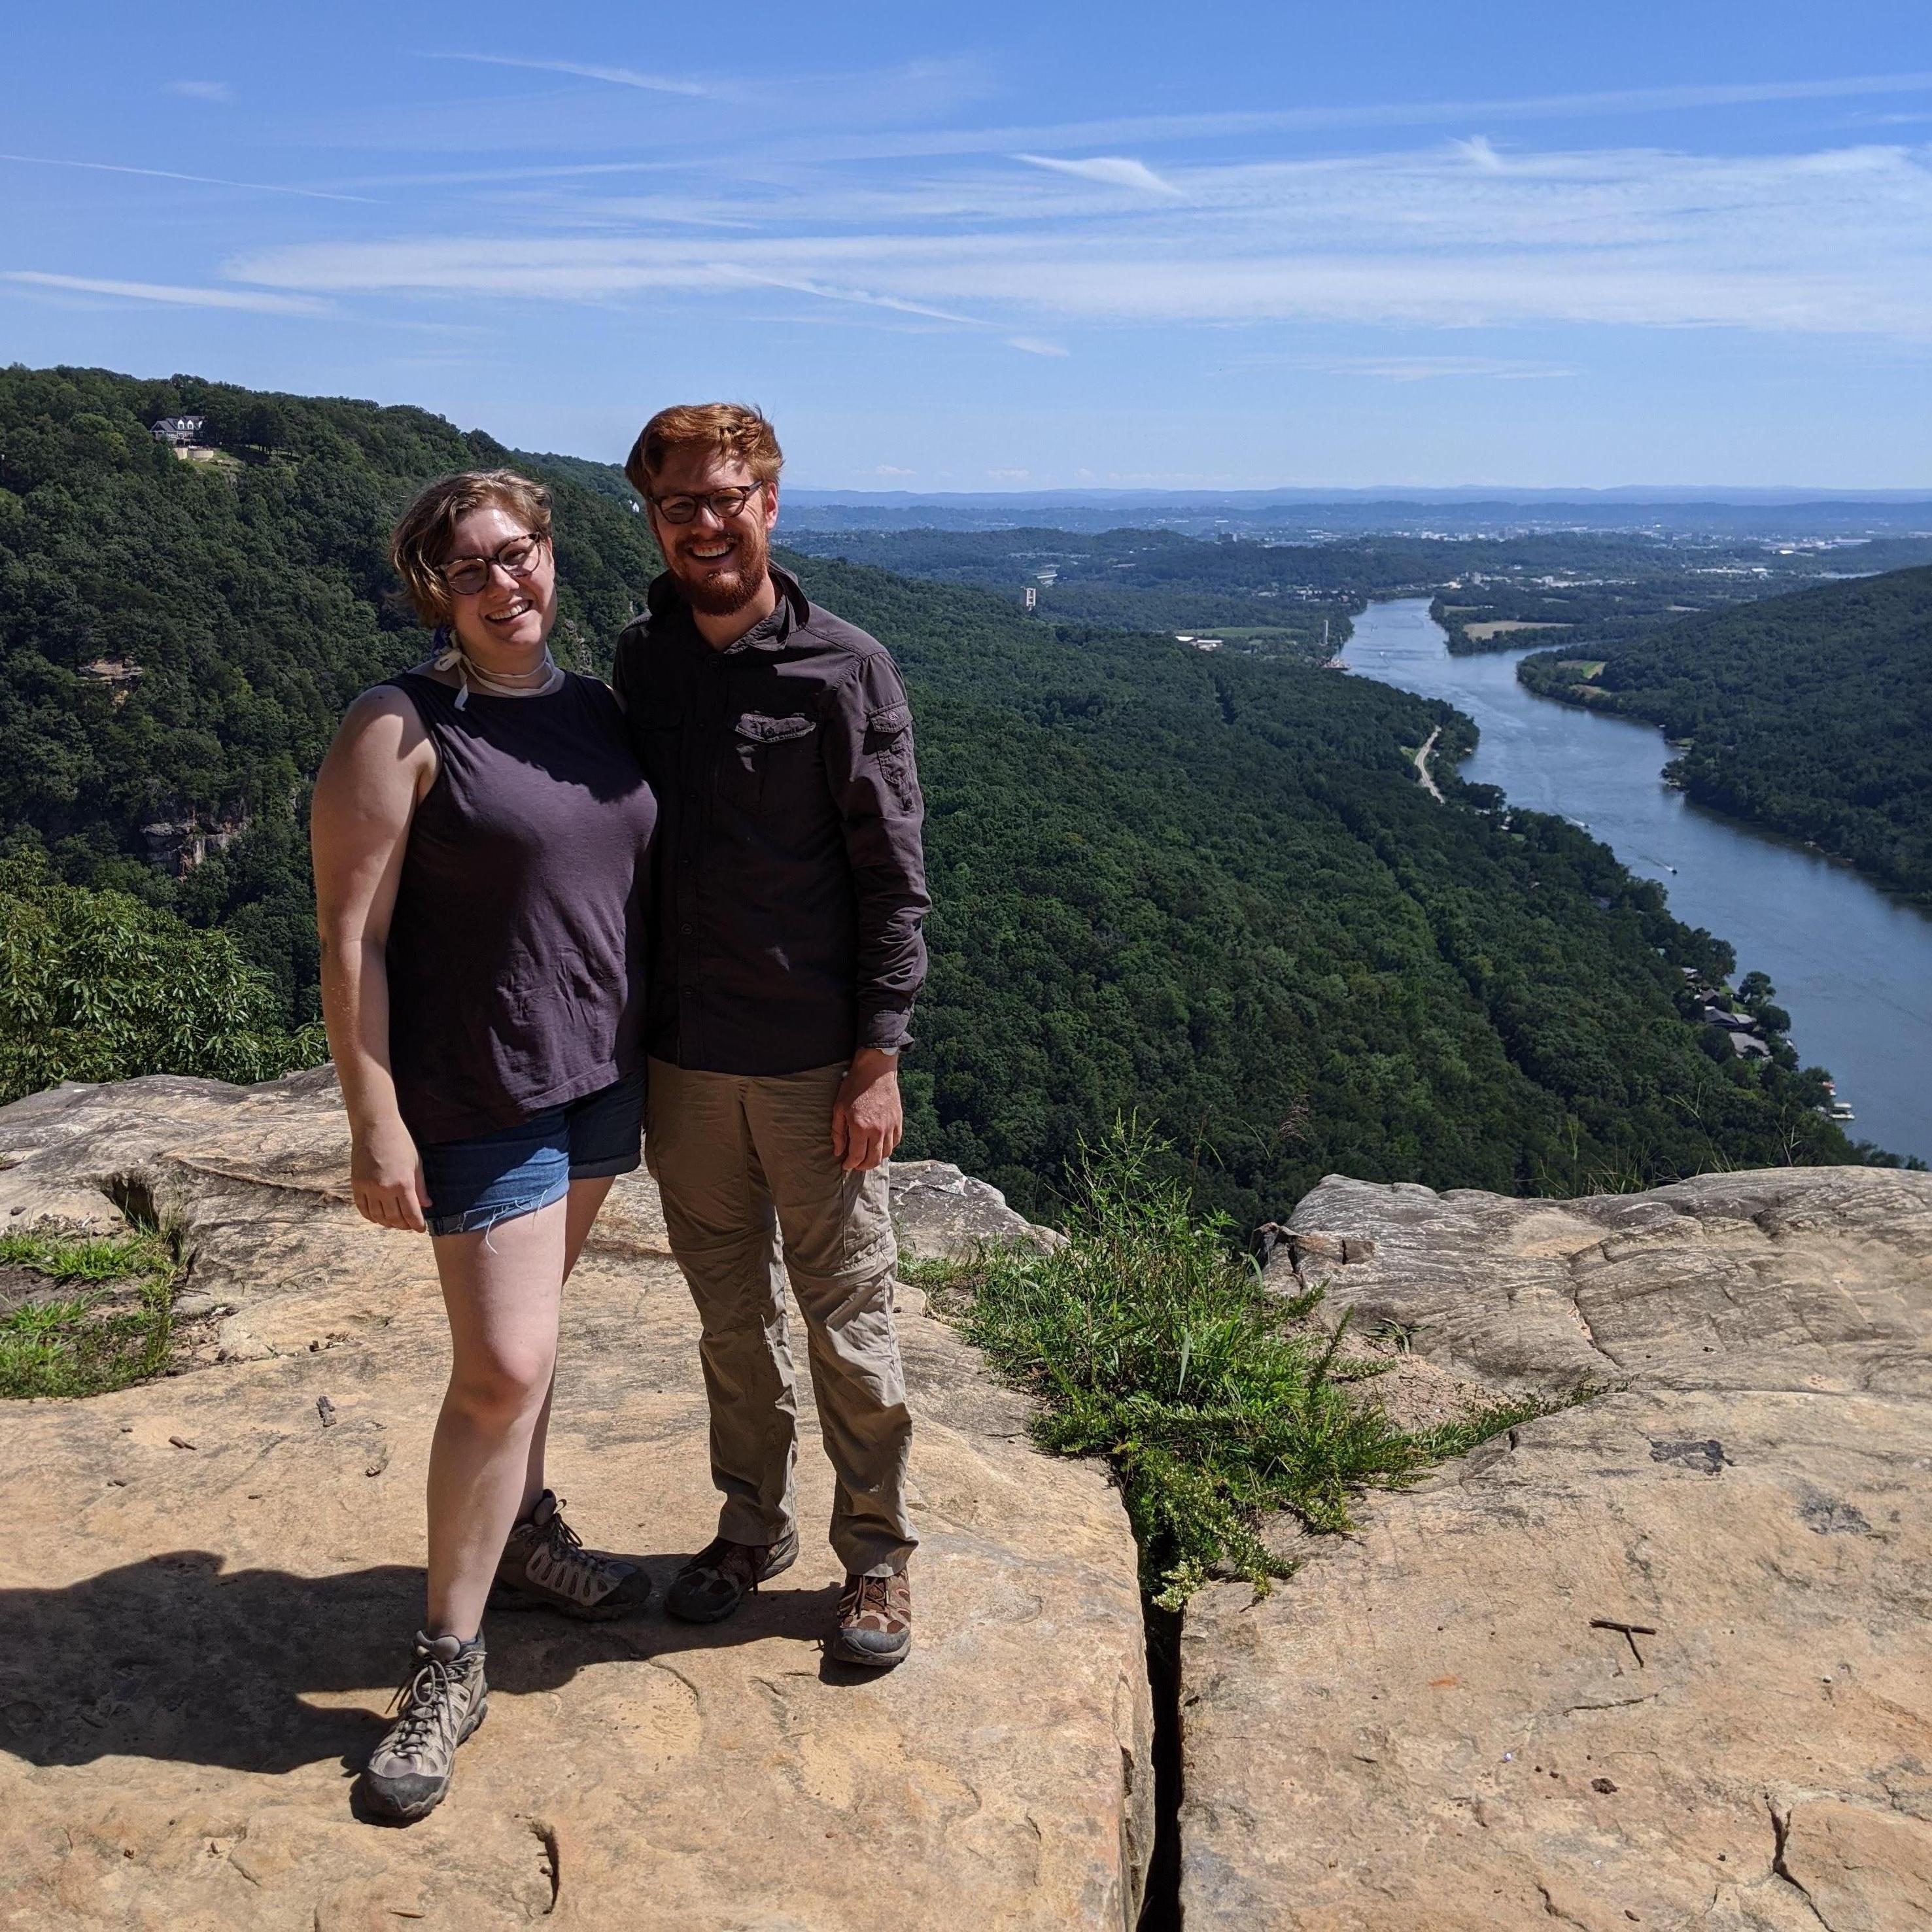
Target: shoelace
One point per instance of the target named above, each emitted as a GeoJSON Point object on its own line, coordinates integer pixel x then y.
{"type": "Point", "coordinates": [424, 1699]}
{"type": "Point", "coordinates": [874, 1593]}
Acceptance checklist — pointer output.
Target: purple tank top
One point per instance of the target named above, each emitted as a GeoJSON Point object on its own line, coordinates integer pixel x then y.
{"type": "Point", "coordinates": [516, 948]}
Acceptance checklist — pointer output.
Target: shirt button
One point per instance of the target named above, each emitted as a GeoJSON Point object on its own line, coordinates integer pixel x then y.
{"type": "Point", "coordinates": [686, 930]}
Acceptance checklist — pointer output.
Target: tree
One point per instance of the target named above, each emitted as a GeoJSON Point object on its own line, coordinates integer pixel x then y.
{"type": "Point", "coordinates": [97, 986]}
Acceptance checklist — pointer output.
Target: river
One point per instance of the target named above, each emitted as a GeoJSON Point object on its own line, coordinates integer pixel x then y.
{"type": "Point", "coordinates": [1852, 967]}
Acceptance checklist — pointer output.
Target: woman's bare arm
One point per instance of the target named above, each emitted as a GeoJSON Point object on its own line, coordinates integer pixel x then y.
{"type": "Point", "coordinates": [381, 763]}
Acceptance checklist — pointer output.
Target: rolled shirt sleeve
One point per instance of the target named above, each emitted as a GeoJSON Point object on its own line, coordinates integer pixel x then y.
{"type": "Point", "coordinates": [867, 742]}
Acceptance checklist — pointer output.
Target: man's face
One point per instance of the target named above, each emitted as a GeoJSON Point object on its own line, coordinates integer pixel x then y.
{"type": "Point", "coordinates": [720, 564]}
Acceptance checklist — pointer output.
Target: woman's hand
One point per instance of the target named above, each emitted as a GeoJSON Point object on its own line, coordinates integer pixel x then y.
{"type": "Point", "coordinates": [387, 1178]}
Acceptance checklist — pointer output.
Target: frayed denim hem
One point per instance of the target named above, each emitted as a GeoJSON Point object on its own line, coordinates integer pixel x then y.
{"type": "Point", "coordinates": [486, 1214]}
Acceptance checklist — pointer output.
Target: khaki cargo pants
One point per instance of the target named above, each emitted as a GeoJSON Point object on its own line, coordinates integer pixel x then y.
{"type": "Point", "coordinates": [739, 1158]}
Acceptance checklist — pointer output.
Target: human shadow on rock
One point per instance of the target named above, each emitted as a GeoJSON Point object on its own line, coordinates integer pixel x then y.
{"type": "Point", "coordinates": [175, 1658]}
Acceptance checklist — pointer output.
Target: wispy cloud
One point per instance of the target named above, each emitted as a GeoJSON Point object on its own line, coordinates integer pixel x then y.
{"type": "Point", "coordinates": [891, 469]}
{"type": "Point", "coordinates": [255, 300]}
{"type": "Point", "coordinates": [618, 77]}
{"type": "Point", "coordinates": [1111, 170]}
{"type": "Point", "coordinates": [1036, 345]}
{"type": "Point", "coordinates": [1479, 150]}
{"type": "Point", "coordinates": [168, 174]}
{"type": "Point", "coordinates": [1432, 368]}
{"type": "Point", "coordinates": [1837, 240]}
{"type": "Point", "coordinates": [201, 90]}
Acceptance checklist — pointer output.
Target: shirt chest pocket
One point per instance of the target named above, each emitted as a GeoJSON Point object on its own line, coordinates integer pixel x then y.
{"type": "Point", "coordinates": [770, 764]}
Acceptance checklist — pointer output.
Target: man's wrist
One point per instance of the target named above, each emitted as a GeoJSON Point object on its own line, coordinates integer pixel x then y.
{"type": "Point", "coordinates": [875, 1059]}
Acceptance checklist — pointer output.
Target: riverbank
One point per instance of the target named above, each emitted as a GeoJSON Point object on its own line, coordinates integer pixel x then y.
{"type": "Point", "coordinates": [1850, 964]}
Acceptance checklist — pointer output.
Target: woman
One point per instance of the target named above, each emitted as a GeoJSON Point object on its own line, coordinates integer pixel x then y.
{"type": "Point", "coordinates": [481, 833]}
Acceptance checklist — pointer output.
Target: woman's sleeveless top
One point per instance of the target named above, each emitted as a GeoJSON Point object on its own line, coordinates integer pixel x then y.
{"type": "Point", "coordinates": [517, 948]}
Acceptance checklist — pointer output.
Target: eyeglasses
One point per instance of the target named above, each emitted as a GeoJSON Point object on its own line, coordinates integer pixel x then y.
{"type": "Point", "coordinates": [467, 575]}
{"type": "Point", "coordinates": [723, 504]}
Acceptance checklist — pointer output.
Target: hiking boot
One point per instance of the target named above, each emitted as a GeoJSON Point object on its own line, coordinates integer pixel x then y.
{"type": "Point", "coordinates": [442, 1701]}
{"type": "Point", "coordinates": [723, 1574]}
{"type": "Point", "coordinates": [544, 1567]}
{"type": "Point", "coordinates": [874, 1620]}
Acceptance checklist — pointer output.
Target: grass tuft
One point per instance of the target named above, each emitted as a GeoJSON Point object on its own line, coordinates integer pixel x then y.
{"type": "Point", "coordinates": [1151, 1341]}
{"type": "Point", "coordinates": [99, 1339]}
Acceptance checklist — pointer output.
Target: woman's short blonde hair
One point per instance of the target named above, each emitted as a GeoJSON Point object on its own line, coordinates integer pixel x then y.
{"type": "Point", "coordinates": [734, 430]}
{"type": "Point", "coordinates": [423, 531]}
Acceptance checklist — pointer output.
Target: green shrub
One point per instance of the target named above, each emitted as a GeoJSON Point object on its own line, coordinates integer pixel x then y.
{"type": "Point", "coordinates": [96, 985]}
{"type": "Point", "coordinates": [1152, 1341]}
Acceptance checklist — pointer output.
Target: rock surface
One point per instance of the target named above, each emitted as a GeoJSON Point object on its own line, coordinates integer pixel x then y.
{"type": "Point", "coordinates": [1658, 1659]}
{"type": "Point", "coordinates": [206, 1591]}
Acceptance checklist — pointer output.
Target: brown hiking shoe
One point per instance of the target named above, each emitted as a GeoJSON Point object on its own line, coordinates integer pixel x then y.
{"type": "Point", "coordinates": [545, 1566]}
{"type": "Point", "coordinates": [723, 1573]}
{"type": "Point", "coordinates": [875, 1620]}
{"type": "Point", "coordinates": [441, 1702]}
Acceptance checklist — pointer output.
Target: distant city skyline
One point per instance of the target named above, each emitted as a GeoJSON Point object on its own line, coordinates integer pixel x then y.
{"type": "Point", "coordinates": [1002, 248]}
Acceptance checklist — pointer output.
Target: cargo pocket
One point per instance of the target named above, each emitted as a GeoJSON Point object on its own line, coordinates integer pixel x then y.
{"type": "Point", "coordinates": [766, 761]}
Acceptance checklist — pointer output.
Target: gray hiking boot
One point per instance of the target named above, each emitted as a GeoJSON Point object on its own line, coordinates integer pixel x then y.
{"type": "Point", "coordinates": [443, 1700]}
{"type": "Point", "coordinates": [544, 1567]}
{"type": "Point", "coordinates": [723, 1574]}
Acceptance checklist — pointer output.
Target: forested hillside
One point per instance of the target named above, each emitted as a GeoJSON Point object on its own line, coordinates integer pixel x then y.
{"type": "Point", "coordinates": [1203, 888]}
{"type": "Point", "coordinates": [1810, 713]}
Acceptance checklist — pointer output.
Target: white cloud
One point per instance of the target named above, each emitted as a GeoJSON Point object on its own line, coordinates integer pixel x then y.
{"type": "Point", "coordinates": [1428, 368]}
{"type": "Point", "coordinates": [168, 174]}
{"type": "Point", "coordinates": [201, 90]}
{"type": "Point", "coordinates": [618, 77]}
{"type": "Point", "coordinates": [891, 469]}
{"type": "Point", "coordinates": [252, 300]}
{"type": "Point", "coordinates": [1009, 476]}
{"type": "Point", "coordinates": [1036, 345]}
{"type": "Point", "coordinates": [1835, 241]}
{"type": "Point", "coordinates": [1477, 150]}
{"type": "Point", "coordinates": [1110, 170]}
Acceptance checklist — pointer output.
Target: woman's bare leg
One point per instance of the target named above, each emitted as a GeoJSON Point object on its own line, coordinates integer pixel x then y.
{"type": "Point", "coordinates": [580, 1208]}
{"type": "Point", "coordinates": [501, 1289]}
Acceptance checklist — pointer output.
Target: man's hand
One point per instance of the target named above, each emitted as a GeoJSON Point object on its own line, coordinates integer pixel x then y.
{"type": "Point", "coordinates": [387, 1178]}
{"type": "Point", "coordinates": [867, 1120]}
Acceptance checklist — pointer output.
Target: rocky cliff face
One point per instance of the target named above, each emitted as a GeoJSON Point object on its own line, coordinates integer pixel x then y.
{"type": "Point", "coordinates": [1659, 1659]}
{"type": "Point", "coordinates": [206, 1589]}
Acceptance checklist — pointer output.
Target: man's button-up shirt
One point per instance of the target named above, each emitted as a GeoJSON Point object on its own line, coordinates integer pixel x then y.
{"type": "Point", "coordinates": [790, 882]}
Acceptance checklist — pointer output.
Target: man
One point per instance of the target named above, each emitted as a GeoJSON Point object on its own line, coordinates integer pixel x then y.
{"type": "Point", "coordinates": [790, 886]}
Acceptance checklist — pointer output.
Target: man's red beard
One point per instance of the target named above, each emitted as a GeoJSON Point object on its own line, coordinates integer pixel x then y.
{"type": "Point", "coordinates": [718, 596]}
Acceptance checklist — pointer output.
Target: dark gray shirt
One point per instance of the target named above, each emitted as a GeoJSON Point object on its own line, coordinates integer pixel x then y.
{"type": "Point", "coordinates": [789, 881]}
{"type": "Point", "coordinates": [515, 952]}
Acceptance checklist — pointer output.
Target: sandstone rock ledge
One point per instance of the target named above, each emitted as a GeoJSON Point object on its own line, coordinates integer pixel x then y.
{"type": "Point", "coordinates": [205, 1592]}
{"type": "Point", "coordinates": [1662, 1659]}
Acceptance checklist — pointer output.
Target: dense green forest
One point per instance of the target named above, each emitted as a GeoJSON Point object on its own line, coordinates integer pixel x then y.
{"type": "Point", "coordinates": [1276, 597]}
{"type": "Point", "coordinates": [1206, 888]}
{"type": "Point", "coordinates": [1810, 713]}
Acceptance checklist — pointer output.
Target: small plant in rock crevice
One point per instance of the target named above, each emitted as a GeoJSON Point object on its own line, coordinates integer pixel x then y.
{"type": "Point", "coordinates": [1150, 1340]}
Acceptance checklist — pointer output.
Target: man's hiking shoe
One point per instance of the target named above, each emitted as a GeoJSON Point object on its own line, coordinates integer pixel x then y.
{"type": "Point", "coordinates": [443, 1700]}
{"type": "Point", "coordinates": [723, 1574]}
{"type": "Point", "coordinates": [544, 1567]}
{"type": "Point", "coordinates": [874, 1620]}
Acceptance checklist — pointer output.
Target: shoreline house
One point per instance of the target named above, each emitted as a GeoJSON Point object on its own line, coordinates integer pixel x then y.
{"type": "Point", "coordinates": [180, 432]}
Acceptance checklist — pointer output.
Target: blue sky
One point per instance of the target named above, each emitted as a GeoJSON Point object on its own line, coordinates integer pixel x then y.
{"type": "Point", "coordinates": [1003, 246]}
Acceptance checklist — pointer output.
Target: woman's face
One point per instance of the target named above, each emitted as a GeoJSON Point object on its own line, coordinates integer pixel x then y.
{"type": "Point", "coordinates": [510, 616]}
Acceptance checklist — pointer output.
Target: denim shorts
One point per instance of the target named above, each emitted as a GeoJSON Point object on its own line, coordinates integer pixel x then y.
{"type": "Point", "coordinates": [476, 1184]}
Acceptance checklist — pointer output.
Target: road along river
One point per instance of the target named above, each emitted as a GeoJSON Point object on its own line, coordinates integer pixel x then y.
{"type": "Point", "coordinates": [1852, 967]}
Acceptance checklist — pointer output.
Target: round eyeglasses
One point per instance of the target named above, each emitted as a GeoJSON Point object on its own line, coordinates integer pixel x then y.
{"type": "Point", "coordinates": [467, 575]}
{"type": "Point", "coordinates": [723, 504]}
